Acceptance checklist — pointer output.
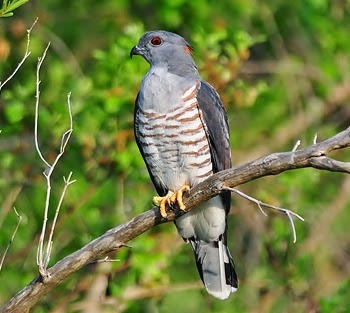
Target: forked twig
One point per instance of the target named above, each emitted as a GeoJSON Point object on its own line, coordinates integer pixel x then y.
{"type": "Point", "coordinates": [289, 213]}
{"type": "Point", "coordinates": [26, 55]}
{"type": "Point", "coordinates": [43, 259]}
{"type": "Point", "coordinates": [67, 182]}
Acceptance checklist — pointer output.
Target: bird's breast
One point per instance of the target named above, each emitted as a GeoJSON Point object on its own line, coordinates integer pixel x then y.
{"type": "Point", "coordinates": [174, 141]}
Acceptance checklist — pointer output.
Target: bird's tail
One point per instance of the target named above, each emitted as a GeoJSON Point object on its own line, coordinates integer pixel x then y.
{"type": "Point", "coordinates": [215, 266]}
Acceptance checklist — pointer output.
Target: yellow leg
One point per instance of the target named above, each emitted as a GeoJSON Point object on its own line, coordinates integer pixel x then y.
{"type": "Point", "coordinates": [169, 199]}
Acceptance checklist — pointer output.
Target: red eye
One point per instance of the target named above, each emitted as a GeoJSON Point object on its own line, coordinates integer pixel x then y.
{"type": "Point", "coordinates": [156, 41]}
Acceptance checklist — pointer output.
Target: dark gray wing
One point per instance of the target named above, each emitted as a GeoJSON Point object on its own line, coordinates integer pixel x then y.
{"type": "Point", "coordinates": [215, 121]}
{"type": "Point", "coordinates": [214, 118]}
{"type": "Point", "coordinates": [161, 189]}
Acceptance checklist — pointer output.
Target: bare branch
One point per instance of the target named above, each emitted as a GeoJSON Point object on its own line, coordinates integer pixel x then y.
{"type": "Point", "coordinates": [289, 213]}
{"type": "Point", "coordinates": [26, 55]}
{"type": "Point", "coordinates": [272, 164]}
{"type": "Point", "coordinates": [328, 164]}
{"type": "Point", "coordinates": [37, 96]}
{"type": "Point", "coordinates": [43, 259]}
{"type": "Point", "coordinates": [40, 255]}
{"type": "Point", "coordinates": [67, 182]}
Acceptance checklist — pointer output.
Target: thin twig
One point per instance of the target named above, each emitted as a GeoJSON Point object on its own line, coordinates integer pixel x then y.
{"type": "Point", "coordinates": [297, 144]}
{"type": "Point", "coordinates": [68, 133]}
{"type": "Point", "coordinates": [26, 55]}
{"type": "Point", "coordinates": [37, 96]}
{"type": "Point", "coordinates": [12, 238]}
{"type": "Point", "coordinates": [106, 259]}
{"type": "Point", "coordinates": [289, 213]}
{"type": "Point", "coordinates": [243, 195]}
{"type": "Point", "coordinates": [47, 175]}
{"type": "Point", "coordinates": [315, 139]}
{"type": "Point", "coordinates": [67, 183]}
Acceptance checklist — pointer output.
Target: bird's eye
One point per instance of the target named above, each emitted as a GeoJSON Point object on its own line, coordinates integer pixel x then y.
{"type": "Point", "coordinates": [156, 41]}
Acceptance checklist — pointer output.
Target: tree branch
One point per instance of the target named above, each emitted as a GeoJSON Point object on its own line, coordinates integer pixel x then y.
{"type": "Point", "coordinates": [313, 156]}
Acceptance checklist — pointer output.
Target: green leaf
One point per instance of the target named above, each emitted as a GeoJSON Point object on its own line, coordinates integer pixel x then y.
{"type": "Point", "coordinates": [8, 7]}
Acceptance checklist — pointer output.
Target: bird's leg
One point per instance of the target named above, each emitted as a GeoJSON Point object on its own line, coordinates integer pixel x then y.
{"type": "Point", "coordinates": [170, 199]}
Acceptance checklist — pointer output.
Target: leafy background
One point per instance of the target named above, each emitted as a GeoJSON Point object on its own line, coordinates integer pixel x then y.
{"type": "Point", "coordinates": [282, 69]}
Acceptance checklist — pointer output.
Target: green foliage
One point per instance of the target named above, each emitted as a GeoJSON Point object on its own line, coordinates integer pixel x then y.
{"type": "Point", "coordinates": [339, 300]}
{"type": "Point", "coordinates": [9, 6]}
{"type": "Point", "coordinates": [281, 69]}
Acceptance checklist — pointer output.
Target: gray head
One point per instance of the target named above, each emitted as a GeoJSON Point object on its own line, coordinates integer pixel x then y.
{"type": "Point", "coordinates": [162, 48]}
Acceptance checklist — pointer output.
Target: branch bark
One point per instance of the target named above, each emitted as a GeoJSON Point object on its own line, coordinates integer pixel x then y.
{"type": "Point", "coordinates": [313, 156]}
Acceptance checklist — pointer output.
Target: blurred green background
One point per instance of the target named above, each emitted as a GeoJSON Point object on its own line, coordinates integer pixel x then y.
{"type": "Point", "coordinates": [282, 69]}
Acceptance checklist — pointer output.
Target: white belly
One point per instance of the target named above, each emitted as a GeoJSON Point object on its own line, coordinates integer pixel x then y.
{"type": "Point", "coordinates": [206, 222]}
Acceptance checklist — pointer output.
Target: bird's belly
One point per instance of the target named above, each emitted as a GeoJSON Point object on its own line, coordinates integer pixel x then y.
{"type": "Point", "coordinates": [179, 159]}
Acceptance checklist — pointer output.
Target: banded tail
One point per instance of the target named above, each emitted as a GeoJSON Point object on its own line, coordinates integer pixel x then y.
{"type": "Point", "coordinates": [215, 266]}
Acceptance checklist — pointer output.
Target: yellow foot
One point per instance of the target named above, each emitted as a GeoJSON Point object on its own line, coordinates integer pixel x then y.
{"type": "Point", "coordinates": [161, 203]}
{"type": "Point", "coordinates": [171, 198]}
{"type": "Point", "coordinates": [177, 197]}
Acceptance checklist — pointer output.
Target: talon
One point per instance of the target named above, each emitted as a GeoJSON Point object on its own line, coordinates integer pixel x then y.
{"type": "Point", "coordinates": [157, 200]}
{"type": "Point", "coordinates": [178, 196]}
{"type": "Point", "coordinates": [170, 199]}
{"type": "Point", "coordinates": [162, 208]}
{"type": "Point", "coordinates": [161, 202]}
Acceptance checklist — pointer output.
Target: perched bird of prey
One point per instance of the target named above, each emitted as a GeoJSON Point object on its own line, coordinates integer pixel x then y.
{"type": "Point", "coordinates": [182, 132]}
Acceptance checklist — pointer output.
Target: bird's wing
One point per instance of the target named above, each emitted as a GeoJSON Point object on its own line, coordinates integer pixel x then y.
{"type": "Point", "coordinates": [216, 126]}
{"type": "Point", "coordinates": [160, 187]}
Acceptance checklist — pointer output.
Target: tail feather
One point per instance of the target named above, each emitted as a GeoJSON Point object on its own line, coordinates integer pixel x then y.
{"type": "Point", "coordinates": [215, 266]}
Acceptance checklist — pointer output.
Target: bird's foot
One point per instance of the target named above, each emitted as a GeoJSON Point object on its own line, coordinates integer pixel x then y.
{"type": "Point", "coordinates": [171, 198]}
{"type": "Point", "coordinates": [161, 202]}
{"type": "Point", "coordinates": [177, 197]}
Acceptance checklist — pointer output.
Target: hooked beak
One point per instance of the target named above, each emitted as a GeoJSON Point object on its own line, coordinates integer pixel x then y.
{"type": "Point", "coordinates": [136, 51]}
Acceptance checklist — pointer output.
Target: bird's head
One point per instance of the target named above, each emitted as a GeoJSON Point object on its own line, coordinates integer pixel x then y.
{"type": "Point", "coordinates": [159, 47]}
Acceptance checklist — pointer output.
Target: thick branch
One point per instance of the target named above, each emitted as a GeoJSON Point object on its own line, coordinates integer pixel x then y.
{"type": "Point", "coordinates": [273, 164]}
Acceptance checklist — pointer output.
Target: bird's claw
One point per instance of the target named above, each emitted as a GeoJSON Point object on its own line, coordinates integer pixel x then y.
{"type": "Point", "coordinates": [170, 199]}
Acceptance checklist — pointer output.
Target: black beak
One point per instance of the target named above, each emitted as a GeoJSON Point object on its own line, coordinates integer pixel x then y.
{"type": "Point", "coordinates": [135, 51]}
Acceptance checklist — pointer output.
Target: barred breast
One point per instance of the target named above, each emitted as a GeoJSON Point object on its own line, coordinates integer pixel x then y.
{"type": "Point", "coordinates": [175, 143]}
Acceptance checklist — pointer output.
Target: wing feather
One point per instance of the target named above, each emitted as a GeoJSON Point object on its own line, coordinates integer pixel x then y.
{"type": "Point", "coordinates": [157, 182]}
{"type": "Point", "coordinates": [216, 126]}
